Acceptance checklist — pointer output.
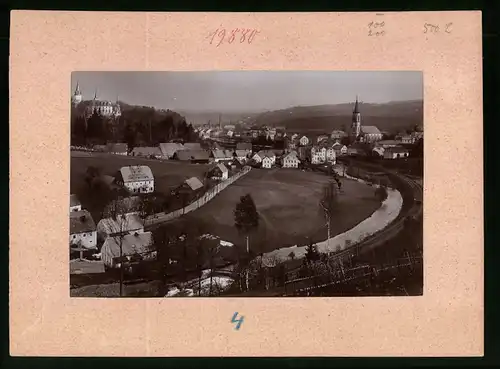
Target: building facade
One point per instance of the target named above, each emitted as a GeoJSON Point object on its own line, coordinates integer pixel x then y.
{"type": "Point", "coordinates": [82, 229]}
{"type": "Point", "coordinates": [136, 179]}
{"type": "Point", "coordinates": [291, 160]}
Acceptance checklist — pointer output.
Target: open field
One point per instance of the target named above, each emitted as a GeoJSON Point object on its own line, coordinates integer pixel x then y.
{"type": "Point", "coordinates": [287, 201]}
{"type": "Point", "coordinates": [168, 174]}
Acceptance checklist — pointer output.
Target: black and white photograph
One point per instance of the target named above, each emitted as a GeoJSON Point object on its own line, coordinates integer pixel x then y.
{"type": "Point", "coordinates": [246, 184]}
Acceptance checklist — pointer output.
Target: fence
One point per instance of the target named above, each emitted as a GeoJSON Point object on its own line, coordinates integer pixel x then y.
{"type": "Point", "coordinates": [198, 203]}
{"type": "Point", "coordinates": [298, 286]}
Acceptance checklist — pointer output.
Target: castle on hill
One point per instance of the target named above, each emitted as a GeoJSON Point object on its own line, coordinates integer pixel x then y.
{"type": "Point", "coordinates": [105, 108]}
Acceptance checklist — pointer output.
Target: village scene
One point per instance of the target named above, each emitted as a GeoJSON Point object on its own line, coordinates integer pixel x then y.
{"type": "Point", "coordinates": [246, 184]}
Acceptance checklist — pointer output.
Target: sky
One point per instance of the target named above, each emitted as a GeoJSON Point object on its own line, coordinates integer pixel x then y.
{"type": "Point", "coordinates": [248, 91]}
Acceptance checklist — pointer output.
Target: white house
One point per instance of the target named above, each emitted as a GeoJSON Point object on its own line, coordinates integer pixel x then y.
{"type": "Point", "coordinates": [395, 153]}
{"type": "Point", "coordinates": [268, 153]}
{"type": "Point", "coordinates": [135, 246]}
{"type": "Point", "coordinates": [290, 160]}
{"type": "Point", "coordinates": [230, 133]}
{"type": "Point", "coordinates": [220, 172]}
{"type": "Point", "coordinates": [241, 155]}
{"type": "Point", "coordinates": [74, 203]}
{"type": "Point", "coordinates": [267, 162]}
{"type": "Point", "coordinates": [304, 141]}
{"type": "Point", "coordinates": [318, 155]}
{"type": "Point", "coordinates": [82, 229]}
{"type": "Point", "coordinates": [123, 224]}
{"type": "Point", "coordinates": [339, 149]}
{"type": "Point", "coordinates": [330, 155]}
{"type": "Point", "coordinates": [257, 158]}
{"type": "Point", "coordinates": [136, 179]}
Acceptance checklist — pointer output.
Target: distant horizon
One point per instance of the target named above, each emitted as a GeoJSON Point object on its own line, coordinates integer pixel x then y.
{"type": "Point", "coordinates": [193, 111]}
{"type": "Point", "coordinates": [249, 91]}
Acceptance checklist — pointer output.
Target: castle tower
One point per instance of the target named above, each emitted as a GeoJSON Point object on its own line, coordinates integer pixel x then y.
{"type": "Point", "coordinates": [77, 96]}
{"type": "Point", "coordinates": [356, 121]}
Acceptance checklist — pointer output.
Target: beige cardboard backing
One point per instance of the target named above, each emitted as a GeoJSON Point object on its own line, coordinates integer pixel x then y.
{"type": "Point", "coordinates": [47, 46]}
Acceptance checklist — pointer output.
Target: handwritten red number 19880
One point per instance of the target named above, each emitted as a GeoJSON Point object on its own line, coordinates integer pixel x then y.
{"type": "Point", "coordinates": [221, 35]}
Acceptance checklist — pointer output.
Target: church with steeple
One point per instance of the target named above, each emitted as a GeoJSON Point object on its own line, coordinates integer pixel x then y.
{"type": "Point", "coordinates": [360, 133]}
{"type": "Point", "coordinates": [77, 95]}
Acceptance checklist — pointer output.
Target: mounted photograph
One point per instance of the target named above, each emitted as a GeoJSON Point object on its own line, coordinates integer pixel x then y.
{"type": "Point", "coordinates": [246, 184]}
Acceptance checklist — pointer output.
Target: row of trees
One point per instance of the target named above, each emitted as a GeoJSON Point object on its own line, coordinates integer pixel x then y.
{"type": "Point", "coordinates": [137, 126]}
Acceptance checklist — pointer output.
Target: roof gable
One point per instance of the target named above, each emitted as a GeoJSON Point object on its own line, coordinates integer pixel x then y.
{"type": "Point", "coordinates": [136, 173]}
{"type": "Point", "coordinates": [169, 148]}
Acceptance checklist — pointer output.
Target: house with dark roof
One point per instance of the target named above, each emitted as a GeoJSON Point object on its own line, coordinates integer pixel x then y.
{"type": "Point", "coordinates": [82, 230]}
{"type": "Point", "coordinates": [136, 179]}
{"type": "Point", "coordinates": [193, 156]}
{"type": "Point", "coordinates": [74, 203]}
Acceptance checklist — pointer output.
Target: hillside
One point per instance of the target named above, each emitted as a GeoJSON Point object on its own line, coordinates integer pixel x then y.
{"type": "Point", "coordinates": [393, 116]}
{"type": "Point", "coordinates": [199, 118]}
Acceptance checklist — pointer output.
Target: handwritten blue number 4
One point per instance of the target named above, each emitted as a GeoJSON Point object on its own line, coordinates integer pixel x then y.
{"type": "Point", "coordinates": [238, 321]}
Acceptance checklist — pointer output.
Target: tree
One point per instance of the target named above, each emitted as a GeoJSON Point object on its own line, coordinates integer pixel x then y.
{"type": "Point", "coordinates": [328, 205]}
{"type": "Point", "coordinates": [92, 173]}
{"type": "Point", "coordinates": [291, 255]}
{"type": "Point", "coordinates": [312, 253]}
{"type": "Point", "coordinates": [118, 212]}
{"type": "Point", "coordinates": [246, 220]}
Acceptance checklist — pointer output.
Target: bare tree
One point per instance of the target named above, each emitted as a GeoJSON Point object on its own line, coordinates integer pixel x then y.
{"type": "Point", "coordinates": [328, 205]}
{"type": "Point", "coordinates": [117, 211]}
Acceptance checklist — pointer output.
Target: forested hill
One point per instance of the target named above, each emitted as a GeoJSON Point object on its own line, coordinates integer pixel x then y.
{"type": "Point", "coordinates": [392, 116]}
{"type": "Point", "coordinates": [137, 126]}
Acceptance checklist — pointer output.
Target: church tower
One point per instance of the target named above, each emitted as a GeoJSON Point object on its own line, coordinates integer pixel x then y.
{"type": "Point", "coordinates": [77, 96]}
{"type": "Point", "coordinates": [356, 121]}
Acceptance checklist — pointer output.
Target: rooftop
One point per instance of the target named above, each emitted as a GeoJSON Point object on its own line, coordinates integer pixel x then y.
{"type": "Point", "coordinates": [137, 243]}
{"type": "Point", "coordinates": [80, 222]}
{"type": "Point", "coordinates": [136, 173]}
{"type": "Point", "coordinates": [194, 183]}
